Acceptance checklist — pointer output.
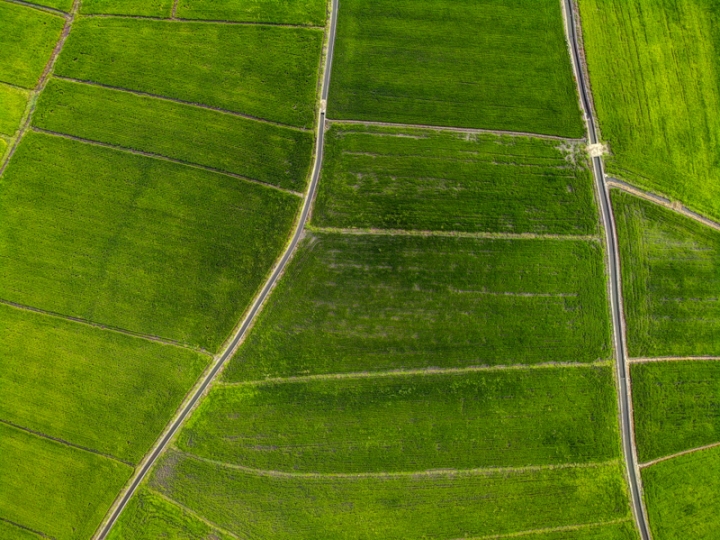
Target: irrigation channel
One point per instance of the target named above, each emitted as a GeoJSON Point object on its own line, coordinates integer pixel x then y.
{"type": "Point", "coordinates": [182, 415]}
{"type": "Point", "coordinates": [626, 421]}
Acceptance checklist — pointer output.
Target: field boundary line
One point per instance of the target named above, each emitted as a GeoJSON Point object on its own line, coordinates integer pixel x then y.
{"type": "Point", "coordinates": [675, 206]}
{"type": "Point", "coordinates": [24, 528]}
{"type": "Point", "coordinates": [573, 31]}
{"type": "Point", "coordinates": [240, 331]}
{"type": "Point", "coordinates": [658, 359]}
{"type": "Point", "coordinates": [178, 101]}
{"type": "Point", "coordinates": [190, 511]}
{"type": "Point", "coordinates": [451, 234]}
{"type": "Point", "coordinates": [175, 19]}
{"type": "Point", "coordinates": [679, 454]}
{"type": "Point", "coordinates": [41, 435]}
{"type": "Point", "coordinates": [565, 528]}
{"type": "Point", "coordinates": [42, 82]}
{"type": "Point", "coordinates": [100, 326]}
{"type": "Point", "coordinates": [469, 131]}
{"type": "Point", "coordinates": [38, 7]}
{"type": "Point", "coordinates": [160, 157]}
{"type": "Point", "coordinates": [174, 9]}
{"type": "Point", "coordinates": [428, 473]}
{"type": "Point", "coordinates": [412, 373]}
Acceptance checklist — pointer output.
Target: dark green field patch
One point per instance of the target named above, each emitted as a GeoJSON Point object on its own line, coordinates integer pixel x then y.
{"type": "Point", "coordinates": [424, 179]}
{"type": "Point", "coordinates": [683, 496]}
{"type": "Point", "coordinates": [303, 12]}
{"type": "Point", "coordinates": [60, 491]}
{"type": "Point", "coordinates": [13, 102]}
{"type": "Point", "coordinates": [146, 245]}
{"type": "Point", "coordinates": [392, 507]}
{"type": "Point", "coordinates": [465, 63]}
{"type": "Point", "coordinates": [143, 8]}
{"type": "Point", "coordinates": [677, 406]}
{"type": "Point", "coordinates": [97, 389]}
{"type": "Point", "coordinates": [264, 71]}
{"type": "Point", "coordinates": [670, 278]}
{"type": "Point", "coordinates": [507, 418]}
{"type": "Point", "coordinates": [27, 39]}
{"type": "Point", "coordinates": [369, 303]}
{"type": "Point", "coordinates": [253, 149]}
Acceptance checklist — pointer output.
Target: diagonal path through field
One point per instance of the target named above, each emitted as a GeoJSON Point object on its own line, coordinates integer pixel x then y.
{"type": "Point", "coordinates": [673, 359]}
{"type": "Point", "coordinates": [46, 9]}
{"type": "Point", "coordinates": [625, 400]}
{"type": "Point", "coordinates": [28, 529]}
{"type": "Point", "coordinates": [679, 454]}
{"type": "Point", "coordinates": [568, 528]}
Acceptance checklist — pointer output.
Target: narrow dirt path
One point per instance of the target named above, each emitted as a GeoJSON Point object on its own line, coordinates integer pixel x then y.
{"type": "Point", "coordinates": [679, 454]}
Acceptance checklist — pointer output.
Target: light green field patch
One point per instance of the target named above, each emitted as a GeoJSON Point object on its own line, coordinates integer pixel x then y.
{"type": "Point", "coordinates": [12, 532]}
{"type": "Point", "coordinates": [60, 491]}
{"type": "Point", "coordinates": [392, 507]}
{"type": "Point", "coordinates": [677, 407]}
{"type": "Point", "coordinates": [613, 531]}
{"type": "Point", "coordinates": [303, 12]}
{"type": "Point", "coordinates": [253, 149]}
{"type": "Point", "coordinates": [27, 39]}
{"type": "Point", "coordinates": [411, 423]}
{"type": "Point", "coordinates": [654, 72]}
{"type": "Point", "coordinates": [13, 102]}
{"type": "Point", "coordinates": [145, 8]}
{"type": "Point", "coordinates": [263, 71]}
{"type": "Point", "coordinates": [670, 280]}
{"type": "Point", "coordinates": [3, 148]}
{"type": "Point", "coordinates": [428, 180]}
{"type": "Point", "coordinates": [148, 246]}
{"type": "Point", "coordinates": [62, 5]}
{"type": "Point", "coordinates": [149, 516]}
{"type": "Point", "coordinates": [97, 389]}
{"type": "Point", "coordinates": [465, 63]}
{"type": "Point", "coordinates": [351, 303]}
{"type": "Point", "coordinates": [682, 496]}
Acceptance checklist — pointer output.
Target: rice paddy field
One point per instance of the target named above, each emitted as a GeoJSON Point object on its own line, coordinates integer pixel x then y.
{"type": "Point", "coordinates": [14, 102]}
{"type": "Point", "coordinates": [653, 69]}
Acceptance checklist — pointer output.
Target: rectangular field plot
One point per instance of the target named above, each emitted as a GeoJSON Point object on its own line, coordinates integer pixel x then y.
{"type": "Point", "coordinates": [464, 63]}
{"type": "Point", "coordinates": [57, 490]}
{"type": "Point", "coordinates": [441, 504]}
{"type": "Point", "coordinates": [653, 68]}
{"type": "Point", "coordinates": [353, 303]}
{"type": "Point", "coordinates": [411, 423]}
{"type": "Point", "coordinates": [143, 8]}
{"type": "Point", "coordinates": [670, 280]}
{"type": "Point", "coordinates": [96, 389]}
{"type": "Point", "coordinates": [263, 71]}
{"type": "Point", "coordinates": [148, 246]}
{"type": "Point", "coordinates": [27, 39]}
{"type": "Point", "coordinates": [425, 179]}
{"type": "Point", "coordinates": [677, 406]}
{"type": "Point", "coordinates": [683, 496]}
{"type": "Point", "coordinates": [253, 149]}
{"type": "Point", "coordinates": [302, 12]}
{"type": "Point", "coordinates": [13, 102]}
{"type": "Point", "coordinates": [150, 516]}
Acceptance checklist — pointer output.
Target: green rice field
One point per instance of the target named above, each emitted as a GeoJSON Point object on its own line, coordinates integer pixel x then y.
{"type": "Point", "coordinates": [138, 8]}
{"type": "Point", "coordinates": [428, 63]}
{"type": "Point", "coordinates": [253, 149]}
{"type": "Point", "coordinates": [62, 5]}
{"type": "Point", "coordinates": [623, 530]}
{"type": "Point", "coordinates": [653, 69]}
{"type": "Point", "coordinates": [670, 280]}
{"type": "Point", "coordinates": [299, 12]}
{"type": "Point", "coordinates": [14, 101]}
{"type": "Point", "coordinates": [263, 71]}
{"type": "Point", "coordinates": [14, 532]}
{"type": "Point", "coordinates": [430, 180]}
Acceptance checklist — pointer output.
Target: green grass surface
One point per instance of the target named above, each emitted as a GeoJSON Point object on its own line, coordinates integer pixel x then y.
{"type": "Point", "coordinates": [670, 280]}
{"type": "Point", "coordinates": [147, 245]}
{"type": "Point", "coordinates": [411, 423]}
{"type": "Point", "coordinates": [304, 12]}
{"type": "Point", "coordinates": [3, 147]}
{"type": "Point", "coordinates": [27, 39]}
{"type": "Point", "coordinates": [145, 8]}
{"type": "Point", "coordinates": [12, 532]}
{"type": "Point", "coordinates": [612, 531]}
{"type": "Point", "coordinates": [149, 516]}
{"type": "Point", "coordinates": [677, 406]}
{"type": "Point", "coordinates": [423, 179]}
{"type": "Point", "coordinates": [263, 71]}
{"type": "Point", "coordinates": [60, 491]}
{"type": "Point", "coordinates": [654, 71]}
{"type": "Point", "coordinates": [429, 63]}
{"type": "Point", "coordinates": [97, 389]}
{"type": "Point", "coordinates": [64, 5]}
{"type": "Point", "coordinates": [355, 303]}
{"type": "Point", "coordinates": [683, 496]}
{"type": "Point", "coordinates": [438, 505]}
{"type": "Point", "coordinates": [253, 149]}
{"type": "Point", "coordinates": [13, 102]}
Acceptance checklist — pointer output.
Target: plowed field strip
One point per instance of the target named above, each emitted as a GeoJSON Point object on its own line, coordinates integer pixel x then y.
{"type": "Point", "coordinates": [679, 454]}
{"type": "Point", "coordinates": [454, 234]}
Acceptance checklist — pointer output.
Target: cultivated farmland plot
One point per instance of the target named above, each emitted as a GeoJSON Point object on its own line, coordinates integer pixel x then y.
{"type": "Point", "coordinates": [14, 101]}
